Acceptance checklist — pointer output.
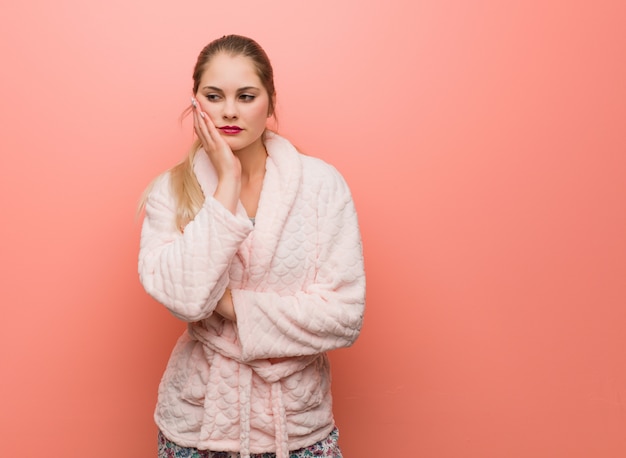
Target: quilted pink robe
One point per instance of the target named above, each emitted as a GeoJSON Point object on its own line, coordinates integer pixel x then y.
{"type": "Point", "coordinates": [298, 288]}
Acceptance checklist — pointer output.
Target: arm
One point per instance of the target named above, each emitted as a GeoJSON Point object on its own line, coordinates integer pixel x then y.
{"type": "Point", "coordinates": [187, 272]}
{"type": "Point", "coordinates": [226, 164]}
{"type": "Point", "coordinates": [328, 313]}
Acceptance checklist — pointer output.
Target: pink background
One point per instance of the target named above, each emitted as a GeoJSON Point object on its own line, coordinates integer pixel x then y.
{"type": "Point", "coordinates": [484, 143]}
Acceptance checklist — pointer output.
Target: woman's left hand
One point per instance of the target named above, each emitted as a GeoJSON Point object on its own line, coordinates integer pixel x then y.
{"type": "Point", "coordinates": [225, 306]}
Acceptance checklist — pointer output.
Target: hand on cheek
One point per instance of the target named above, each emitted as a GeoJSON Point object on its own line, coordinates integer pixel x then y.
{"type": "Point", "coordinates": [222, 157]}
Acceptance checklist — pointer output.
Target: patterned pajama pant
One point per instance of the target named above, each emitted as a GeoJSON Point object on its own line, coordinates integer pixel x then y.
{"type": "Point", "coordinates": [326, 448]}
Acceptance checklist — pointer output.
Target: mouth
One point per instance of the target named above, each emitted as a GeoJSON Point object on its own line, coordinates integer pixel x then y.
{"type": "Point", "coordinates": [230, 130]}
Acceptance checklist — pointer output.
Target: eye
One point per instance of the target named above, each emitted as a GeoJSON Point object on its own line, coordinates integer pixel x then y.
{"type": "Point", "coordinates": [247, 97]}
{"type": "Point", "coordinates": [212, 97]}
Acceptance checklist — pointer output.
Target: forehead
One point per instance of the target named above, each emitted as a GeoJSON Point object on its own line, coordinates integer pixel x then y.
{"type": "Point", "coordinates": [224, 71]}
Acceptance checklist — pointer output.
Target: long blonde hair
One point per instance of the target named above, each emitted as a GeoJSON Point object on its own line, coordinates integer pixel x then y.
{"type": "Point", "coordinates": [183, 181]}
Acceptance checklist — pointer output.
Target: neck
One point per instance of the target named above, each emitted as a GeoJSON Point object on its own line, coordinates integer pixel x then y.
{"type": "Point", "coordinates": [252, 160]}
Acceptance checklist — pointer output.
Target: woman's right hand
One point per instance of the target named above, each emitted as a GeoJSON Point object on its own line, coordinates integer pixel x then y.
{"type": "Point", "coordinates": [226, 164]}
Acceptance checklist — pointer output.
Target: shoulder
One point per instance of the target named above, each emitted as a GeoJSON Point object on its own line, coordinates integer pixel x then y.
{"type": "Point", "coordinates": [289, 159]}
{"type": "Point", "coordinates": [318, 167]}
{"type": "Point", "coordinates": [161, 186]}
{"type": "Point", "coordinates": [159, 193]}
{"type": "Point", "coordinates": [322, 175]}
{"type": "Point", "coordinates": [314, 175]}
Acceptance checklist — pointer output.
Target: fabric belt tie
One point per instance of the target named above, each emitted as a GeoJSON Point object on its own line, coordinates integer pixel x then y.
{"type": "Point", "coordinates": [271, 374]}
{"type": "Point", "coordinates": [278, 411]}
{"type": "Point", "coordinates": [280, 422]}
{"type": "Point", "coordinates": [245, 387]}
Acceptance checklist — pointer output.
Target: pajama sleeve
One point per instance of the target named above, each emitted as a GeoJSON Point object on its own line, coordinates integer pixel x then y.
{"type": "Point", "coordinates": [328, 313]}
{"type": "Point", "coordinates": [187, 272]}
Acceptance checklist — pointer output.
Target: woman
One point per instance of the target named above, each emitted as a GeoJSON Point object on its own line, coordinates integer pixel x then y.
{"type": "Point", "coordinates": [257, 248]}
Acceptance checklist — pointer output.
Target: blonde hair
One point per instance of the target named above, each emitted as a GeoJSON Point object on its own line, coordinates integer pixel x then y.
{"type": "Point", "coordinates": [183, 181]}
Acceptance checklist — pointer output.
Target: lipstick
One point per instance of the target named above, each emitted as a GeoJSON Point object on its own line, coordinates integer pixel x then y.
{"type": "Point", "coordinates": [231, 130]}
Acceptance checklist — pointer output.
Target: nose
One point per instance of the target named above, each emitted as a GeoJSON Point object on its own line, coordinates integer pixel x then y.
{"type": "Point", "coordinates": [230, 109]}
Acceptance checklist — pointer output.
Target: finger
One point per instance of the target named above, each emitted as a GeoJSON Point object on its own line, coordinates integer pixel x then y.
{"type": "Point", "coordinates": [212, 130]}
{"type": "Point", "coordinates": [202, 122]}
{"type": "Point", "coordinates": [202, 131]}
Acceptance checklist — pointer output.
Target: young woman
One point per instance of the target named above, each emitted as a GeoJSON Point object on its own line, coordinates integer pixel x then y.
{"type": "Point", "coordinates": [257, 248]}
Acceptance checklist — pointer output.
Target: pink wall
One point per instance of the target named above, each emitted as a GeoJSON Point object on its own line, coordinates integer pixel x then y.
{"type": "Point", "coordinates": [485, 145]}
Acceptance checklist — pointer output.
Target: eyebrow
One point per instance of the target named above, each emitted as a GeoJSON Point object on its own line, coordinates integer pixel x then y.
{"type": "Point", "coordinates": [241, 89]}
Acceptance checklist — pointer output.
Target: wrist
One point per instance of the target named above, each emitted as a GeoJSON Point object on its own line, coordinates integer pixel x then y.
{"type": "Point", "coordinates": [230, 174]}
{"type": "Point", "coordinates": [227, 193]}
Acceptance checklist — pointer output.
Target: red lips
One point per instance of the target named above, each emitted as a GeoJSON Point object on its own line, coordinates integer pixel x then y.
{"type": "Point", "coordinates": [231, 130]}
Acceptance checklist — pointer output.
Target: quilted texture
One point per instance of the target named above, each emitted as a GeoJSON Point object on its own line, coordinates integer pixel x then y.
{"type": "Point", "coordinates": [298, 289]}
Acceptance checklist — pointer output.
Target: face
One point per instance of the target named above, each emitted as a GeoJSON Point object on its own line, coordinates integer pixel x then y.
{"type": "Point", "coordinates": [232, 94]}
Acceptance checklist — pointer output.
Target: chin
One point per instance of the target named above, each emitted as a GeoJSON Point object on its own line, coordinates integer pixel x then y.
{"type": "Point", "coordinates": [236, 146]}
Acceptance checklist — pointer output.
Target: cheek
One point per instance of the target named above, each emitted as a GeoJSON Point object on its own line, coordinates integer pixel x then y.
{"type": "Point", "coordinates": [259, 113]}
{"type": "Point", "coordinates": [213, 115]}
{"type": "Point", "coordinates": [211, 110]}
{"type": "Point", "coordinates": [204, 105]}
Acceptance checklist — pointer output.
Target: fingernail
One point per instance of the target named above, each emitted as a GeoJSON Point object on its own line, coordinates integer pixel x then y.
{"type": "Point", "coordinates": [193, 103]}
{"type": "Point", "coordinates": [202, 114]}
